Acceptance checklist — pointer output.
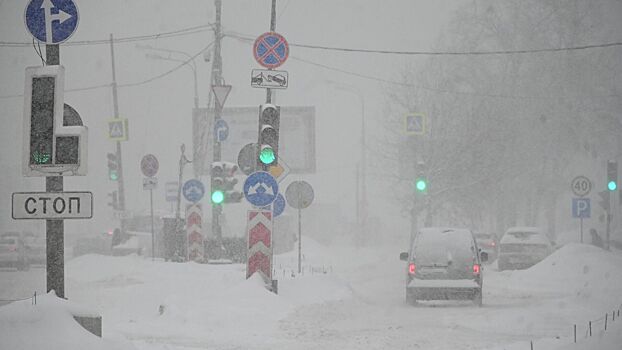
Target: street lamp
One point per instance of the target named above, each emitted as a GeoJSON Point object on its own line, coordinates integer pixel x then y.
{"type": "Point", "coordinates": [189, 63]}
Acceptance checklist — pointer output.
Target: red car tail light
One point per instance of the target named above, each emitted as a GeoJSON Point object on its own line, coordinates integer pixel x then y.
{"type": "Point", "coordinates": [476, 269]}
{"type": "Point", "coordinates": [412, 268]}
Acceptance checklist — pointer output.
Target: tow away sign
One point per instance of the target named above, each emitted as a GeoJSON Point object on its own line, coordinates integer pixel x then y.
{"type": "Point", "coordinates": [267, 78]}
{"type": "Point", "coordinates": [52, 205]}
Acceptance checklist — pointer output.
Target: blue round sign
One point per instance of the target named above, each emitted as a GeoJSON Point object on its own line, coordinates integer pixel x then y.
{"type": "Point", "coordinates": [260, 189]}
{"type": "Point", "coordinates": [221, 130]}
{"type": "Point", "coordinates": [271, 50]}
{"type": "Point", "coordinates": [193, 190]}
{"type": "Point", "coordinates": [279, 205]}
{"type": "Point", "coordinates": [51, 21]}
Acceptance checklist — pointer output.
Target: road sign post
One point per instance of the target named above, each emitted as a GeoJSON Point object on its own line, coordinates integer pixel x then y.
{"type": "Point", "coordinates": [299, 195]}
{"type": "Point", "coordinates": [54, 149]}
{"type": "Point", "coordinates": [259, 234]}
{"type": "Point", "coordinates": [581, 208]}
{"type": "Point", "coordinates": [149, 166]}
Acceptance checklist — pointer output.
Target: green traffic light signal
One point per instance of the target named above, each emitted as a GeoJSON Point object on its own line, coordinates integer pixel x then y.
{"type": "Point", "coordinates": [267, 155]}
{"type": "Point", "coordinates": [114, 176]}
{"type": "Point", "coordinates": [612, 185]}
{"type": "Point", "coordinates": [421, 185]}
{"type": "Point", "coordinates": [218, 197]}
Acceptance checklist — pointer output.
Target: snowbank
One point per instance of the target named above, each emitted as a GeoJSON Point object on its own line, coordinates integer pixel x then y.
{"type": "Point", "coordinates": [50, 325]}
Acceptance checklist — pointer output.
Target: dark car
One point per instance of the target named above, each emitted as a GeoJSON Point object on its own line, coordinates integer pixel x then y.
{"type": "Point", "coordinates": [444, 264]}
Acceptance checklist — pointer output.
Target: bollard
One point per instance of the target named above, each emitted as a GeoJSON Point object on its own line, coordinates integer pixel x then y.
{"type": "Point", "coordinates": [590, 325]}
{"type": "Point", "coordinates": [575, 333]}
{"type": "Point", "coordinates": [606, 317]}
{"type": "Point", "coordinates": [613, 315]}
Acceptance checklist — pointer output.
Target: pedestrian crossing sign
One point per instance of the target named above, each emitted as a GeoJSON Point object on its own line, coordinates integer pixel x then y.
{"type": "Point", "coordinates": [117, 129]}
{"type": "Point", "coordinates": [414, 124]}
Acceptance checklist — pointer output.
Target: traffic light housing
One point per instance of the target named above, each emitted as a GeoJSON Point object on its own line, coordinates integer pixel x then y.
{"type": "Point", "coordinates": [113, 167]}
{"type": "Point", "coordinates": [612, 175]}
{"type": "Point", "coordinates": [604, 199]}
{"type": "Point", "coordinates": [269, 120]}
{"type": "Point", "coordinates": [223, 183]}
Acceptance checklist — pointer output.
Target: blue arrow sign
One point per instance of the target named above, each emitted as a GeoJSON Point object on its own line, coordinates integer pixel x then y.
{"type": "Point", "coordinates": [51, 21]}
{"type": "Point", "coordinates": [279, 205]}
{"type": "Point", "coordinates": [221, 130]}
{"type": "Point", "coordinates": [260, 189]}
{"type": "Point", "coordinates": [193, 190]}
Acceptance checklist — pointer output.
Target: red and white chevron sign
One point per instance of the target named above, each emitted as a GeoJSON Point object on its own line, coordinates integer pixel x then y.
{"type": "Point", "coordinates": [259, 229]}
{"type": "Point", "coordinates": [194, 230]}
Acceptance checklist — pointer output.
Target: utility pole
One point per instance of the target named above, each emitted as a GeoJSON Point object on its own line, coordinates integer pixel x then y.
{"type": "Point", "coordinates": [217, 81]}
{"type": "Point", "coordinates": [54, 229]}
{"type": "Point", "coordinates": [115, 101]}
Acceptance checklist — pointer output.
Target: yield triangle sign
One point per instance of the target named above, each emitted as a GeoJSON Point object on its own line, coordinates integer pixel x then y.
{"type": "Point", "coordinates": [221, 92]}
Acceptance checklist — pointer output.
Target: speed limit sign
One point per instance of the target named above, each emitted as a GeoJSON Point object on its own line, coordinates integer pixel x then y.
{"type": "Point", "coordinates": [581, 186]}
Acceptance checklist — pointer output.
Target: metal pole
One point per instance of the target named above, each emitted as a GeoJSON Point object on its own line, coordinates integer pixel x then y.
{"type": "Point", "coordinates": [581, 219]}
{"type": "Point", "coordinates": [152, 230]}
{"type": "Point", "coordinates": [363, 171]}
{"type": "Point", "coordinates": [54, 229]}
{"type": "Point", "coordinates": [299, 239]}
{"type": "Point", "coordinates": [115, 102]}
{"type": "Point", "coordinates": [217, 80]}
{"type": "Point", "coordinates": [272, 29]}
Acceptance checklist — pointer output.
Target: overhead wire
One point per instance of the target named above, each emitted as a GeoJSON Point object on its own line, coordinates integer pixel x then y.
{"type": "Point", "coordinates": [143, 82]}
{"type": "Point", "coordinates": [438, 53]}
{"type": "Point", "coordinates": [129, 39]}
{"type": "Point", "coordinates": [406, 84]}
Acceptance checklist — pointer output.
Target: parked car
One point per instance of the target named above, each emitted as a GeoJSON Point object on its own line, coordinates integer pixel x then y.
{"type": "Point", "coordinates": [489, 243]}
{"type": "Point", "coordinates": [444, 263]}
{"type": "Point", "coordinates": [523, 247]}
{"type": "Point", "coordinates": [13, 252]}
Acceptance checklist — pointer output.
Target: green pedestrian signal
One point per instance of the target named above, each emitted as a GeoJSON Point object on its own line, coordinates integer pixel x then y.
{"type": "Point", "coordinates": [218, 197]}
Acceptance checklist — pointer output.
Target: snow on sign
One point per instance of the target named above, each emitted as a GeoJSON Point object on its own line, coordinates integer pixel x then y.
{"type": "Point", "coordinates": [259, 229]}
{"type": "Point", "coordinates": [117, 129]}
{"type": "Point", "coordinates": [51, 21]}
{"type": "Point", "coordinates": [52, 205]}
{"type": "Point", "coordinates": [267, 78]}
{"type": "Point", "coordinates": [271, 50]}
{"type": "Point", "coordinates": [194, 230]}
{"type": "Point", "coordinates": [149, 165]}
{"type": "Point", "coordinates": [260, 189]}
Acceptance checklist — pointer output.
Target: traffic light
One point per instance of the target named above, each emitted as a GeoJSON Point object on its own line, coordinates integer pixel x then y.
{"type": "Point", "coordinates": [113, 167]}
{"type": "Point", "coordinates": [223, 183]}
{"type": "Point", "coordinates": [612, 175]}
{"type": "Point", "coordinates": [114, 202]}
{"type": "Point", "coordinates": [604, 199]}
{"type": "Point", "coordinates": [269, 117]}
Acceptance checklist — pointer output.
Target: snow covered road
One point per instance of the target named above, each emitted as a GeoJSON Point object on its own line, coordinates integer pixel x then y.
{"type": "Point", "coordinates": [358, 303]}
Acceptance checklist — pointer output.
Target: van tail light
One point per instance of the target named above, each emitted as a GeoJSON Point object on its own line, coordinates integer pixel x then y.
{"type": "Point", "coordinates": [412, 268]}
{"type": "Point", "coordinates": [476, 269]}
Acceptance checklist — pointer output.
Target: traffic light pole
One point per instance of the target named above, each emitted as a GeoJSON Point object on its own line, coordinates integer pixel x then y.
{"type": "Point", "coordinates": [217, 80]}
{"type": "Point", "coordinates": [54, 229]}
{"type": "Point", "coordinates": [115, 101]}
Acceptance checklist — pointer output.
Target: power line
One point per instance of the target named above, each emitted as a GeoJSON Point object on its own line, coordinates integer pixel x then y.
{"type": "Point", "coordinates": [437, 90]}
{"type": "Point", "coordinates": [159, 76]}
{"type": "Point", "coordinates": [439, 53]}
{"type": "Point", "coordinates": [171, 34]}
